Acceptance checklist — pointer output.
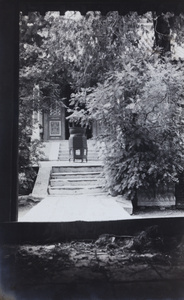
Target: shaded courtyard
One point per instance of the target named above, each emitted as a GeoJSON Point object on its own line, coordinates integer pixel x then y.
{"type": "Point", "coordinates": [40, 206]}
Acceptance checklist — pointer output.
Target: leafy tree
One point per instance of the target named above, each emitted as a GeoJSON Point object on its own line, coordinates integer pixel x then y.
{"type": "Point", "coordinates": [111, 66]}
{"type": "Point", "coordinates": [140, 113]}
{"type": "Point", "coordinates": [30, 73]}
{"type": "Point", "coordinates": [139, 108]}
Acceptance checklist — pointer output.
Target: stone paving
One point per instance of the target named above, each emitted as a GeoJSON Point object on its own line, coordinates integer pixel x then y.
{"type": "Point", "coordinates": [76, 208]}
{"type": "Point", "coordinates": [72, 207]}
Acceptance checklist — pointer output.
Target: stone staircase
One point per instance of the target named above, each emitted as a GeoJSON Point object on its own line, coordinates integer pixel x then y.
{"type": "Point", "coordinates": [76, 179]}
{"type": "Point", "coordinates": [93, 154]}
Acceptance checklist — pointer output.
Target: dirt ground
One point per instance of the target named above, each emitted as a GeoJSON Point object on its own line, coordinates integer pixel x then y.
{"type": "Point", "coordinates": [108, 260]}
{"type": "Point", "coordinates": [102, 258]}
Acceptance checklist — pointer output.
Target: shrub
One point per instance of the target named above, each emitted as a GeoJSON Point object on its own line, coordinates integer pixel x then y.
{"type": "Point", "coordinates": [139, 108]}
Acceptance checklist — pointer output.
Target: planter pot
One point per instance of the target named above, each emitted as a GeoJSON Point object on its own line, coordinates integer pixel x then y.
{"type": "Point", "coordinates": [76, 131]}
{"type": "Point", "coordinates": [161, 197]}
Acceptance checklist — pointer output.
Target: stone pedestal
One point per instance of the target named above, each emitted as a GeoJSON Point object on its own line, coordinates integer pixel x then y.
{"type": "Point", "coordinates": [77, 144]}
{"type": "Point", "coordinates": [161, 197]}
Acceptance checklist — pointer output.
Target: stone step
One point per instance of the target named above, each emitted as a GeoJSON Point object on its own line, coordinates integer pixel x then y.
{"type": "Point", "coordinates": [78, 160]}
{"type": "Point", "coordinates": [75, 182]}
{"type": "Point", "coordinates": [67, 150]}
{"type": "Point", "coordinates": [90, 145]}
{"type": "Point", "coordinates": [68, 190]}
{"type": "Point", "coordinates": [65, 143]}
{"type": "Point", "coordinates": [66, 155]}
{"type": "Point", "coordinates": [90, 152]}
{"type": "Point", "coordinates": [74, 174]}
{"type": "Point", "coordinates": [63, 154]}
{"type": "Point", "coordinates": [89, 155]}
{"type": "Point", "coordinates": [76, 169]}
{"type": "Point", "coordinates": [76, 179]}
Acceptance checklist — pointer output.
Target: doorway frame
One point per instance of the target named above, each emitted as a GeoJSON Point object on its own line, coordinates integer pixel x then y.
{"type": "Point", "coordinates": [9, 77]}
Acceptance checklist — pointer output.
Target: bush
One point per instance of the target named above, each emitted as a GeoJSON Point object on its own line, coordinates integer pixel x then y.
{"type": "Point", "coordinates": [29, 155]}
{"type": "Point", "coordinates": [139, 108]}
{"type": "Point", "coordinates": [27, 180]}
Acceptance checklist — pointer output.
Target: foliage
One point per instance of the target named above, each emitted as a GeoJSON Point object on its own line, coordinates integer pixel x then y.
{"type": "Point", "coordinates": [29, 97]}
{"type": "Point", "coordinates": [26, 181]}
{"type": "Point", "coordinates": [30, 152]}
{"type": "Point", "coordinates": [139, 108]}
{"type": "Point", "coordinates": [109, 63]}
{"type": "Point", "coordinates": [84, 48]}
{"type": "Point", "coordinates": [56, 51]}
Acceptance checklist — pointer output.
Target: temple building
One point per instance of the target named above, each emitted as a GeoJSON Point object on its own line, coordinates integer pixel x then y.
{"type": "Point", "coordinates": [54, 125]}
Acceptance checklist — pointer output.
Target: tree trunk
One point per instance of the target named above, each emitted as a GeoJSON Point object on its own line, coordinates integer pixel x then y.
{"type": "Point", "coordinates": [162, 33]}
